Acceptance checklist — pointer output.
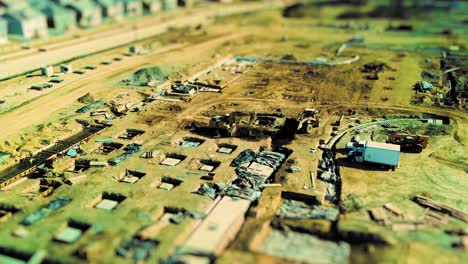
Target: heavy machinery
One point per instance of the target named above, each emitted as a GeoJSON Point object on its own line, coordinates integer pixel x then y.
{"type": "Point", "coordinates": [409, 143]}
{"type": "Point", "coordinates": [308, 119]}
{"type": "Point", "coordinates": [225, 125]}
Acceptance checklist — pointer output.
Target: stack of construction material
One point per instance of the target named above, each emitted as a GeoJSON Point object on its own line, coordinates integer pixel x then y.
{"type": "Point", "coordinates": [441, 207]}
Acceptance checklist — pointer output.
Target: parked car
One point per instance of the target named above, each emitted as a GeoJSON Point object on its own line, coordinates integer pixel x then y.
{"type": "Point", "coordinates": [41, 86]}
{"type": "Point", "coordinates": [56, 80]}
{"type": "Point", "coordinates": [79, 71]}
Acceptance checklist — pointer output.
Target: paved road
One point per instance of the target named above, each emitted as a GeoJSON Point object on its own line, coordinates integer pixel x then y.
{"type": "Point", "coordinates": [25, 64]}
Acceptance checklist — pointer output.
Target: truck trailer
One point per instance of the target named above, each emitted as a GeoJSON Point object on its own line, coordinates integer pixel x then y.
{"type": "Point", "coordinates": [375, 152]}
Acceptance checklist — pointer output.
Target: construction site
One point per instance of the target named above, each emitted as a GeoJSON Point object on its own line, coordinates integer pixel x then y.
{"type": "Point", "coordinates": [240, 132]}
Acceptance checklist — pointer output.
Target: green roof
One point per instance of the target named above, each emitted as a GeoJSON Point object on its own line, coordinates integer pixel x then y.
{"type": "Point", "coordinates": [82, 4]}
{"type": "Point", "coordinates": [108, 2]}
{"type": "Point", "coordinates": [53, 9]}
{"type": "Point", "coordinates": [24, 14]}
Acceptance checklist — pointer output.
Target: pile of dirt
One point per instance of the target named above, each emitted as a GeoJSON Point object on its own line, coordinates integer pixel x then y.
{"type": "Point", "coordinates": [146, 76]}
{"type": "Point", "coordinates": [295, 10]}
{"type": "Point", "coordinates": [374, 67]}
{"type": "Point", "coordinates": [86, 99]}
{"type": "Point", "coordinates": [289, 57]}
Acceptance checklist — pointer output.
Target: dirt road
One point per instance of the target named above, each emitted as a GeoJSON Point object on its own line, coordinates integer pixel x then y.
{"type": "Point", "coordinates": [25, 64]}
{"type": "Point", "coordinates": [39, 109]}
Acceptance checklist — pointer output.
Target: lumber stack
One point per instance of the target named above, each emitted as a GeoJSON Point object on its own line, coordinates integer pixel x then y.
{"type": "Point", "coordinates": [441, 207]}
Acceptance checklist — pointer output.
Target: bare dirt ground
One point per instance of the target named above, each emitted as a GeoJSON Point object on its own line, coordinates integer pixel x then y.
{"type": "Point", "coordinates": [440, 170]}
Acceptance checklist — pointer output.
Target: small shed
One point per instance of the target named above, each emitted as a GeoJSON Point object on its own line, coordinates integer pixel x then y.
{"type": "Point", "coordinates": [27, 23]}
{"type": "Point", "coordinates": [66, 68]}
{"type": "Point", "coordinates": [111, 9]}
{"type": "Point", "coordinates": [88, 13]}
{"type": "Point", "coordinates": [133, 8]}
{"type": "Point", "coordinates": [47, 71]}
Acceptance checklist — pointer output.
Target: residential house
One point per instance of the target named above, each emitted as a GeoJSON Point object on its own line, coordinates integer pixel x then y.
{"type": "Point", "coordinates": [111, 9]}
{"type": "Point", "coordinates": [10, 5]}
{"type": "Point", "coordinates": [133, 8]}
{"type": "Point", "coordinates": [59, 18]}
{"type": "Point", "coordinates": [27, 23]}
{"type": "Point", "coordinates": [152, 6]}
{"type": "Point", "coordinates": [88, 13]}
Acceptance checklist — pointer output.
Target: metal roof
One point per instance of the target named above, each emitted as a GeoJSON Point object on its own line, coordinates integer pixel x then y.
{"type": "Point", "coordinates": [380, 145]}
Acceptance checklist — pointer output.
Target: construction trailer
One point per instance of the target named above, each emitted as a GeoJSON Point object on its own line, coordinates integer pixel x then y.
{"type": "Point", "coordinates": [375, 152]}
{"type": "Point", "coordinates": [408, 142]}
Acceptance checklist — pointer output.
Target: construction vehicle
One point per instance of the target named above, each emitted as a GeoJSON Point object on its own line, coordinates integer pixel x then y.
{"type": "Point", "coordinates": [225, 124]}
{"type": "Point", "coordinates": [308, 119]}
{"type": "Point", "coordinates": [374, 152]}
{"type": "Point", "coordinates": [408, 142]}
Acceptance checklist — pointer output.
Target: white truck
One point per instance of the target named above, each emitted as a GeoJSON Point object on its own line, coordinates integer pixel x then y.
{"type": "Point", "coordinates": [374, 152]}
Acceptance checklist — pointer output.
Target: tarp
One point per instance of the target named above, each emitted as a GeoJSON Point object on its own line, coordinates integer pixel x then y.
{"type": "Point", "coordinates": [136, 249]}
{"type": "Point", "coordinates": [210, 189]}
{"type": "Point", "coordinates": [92, 105]}
{"type": "Point", "coordinates": [292, 209]}
{"type": "Point", "coordinates": [43, 212]}
{"type": "Point", "coordinates": [248, 183]}
{"type": "Point", "coordinates": [179, 217]}
{"type": "Point", "coordinates": [429, 75]}
{"type": "Point", "coordinates": [245, 156]}
{"type": "Point", "coordinates": [305, 248]}
{"type": "Point", "coordinates": [130, 150]}
{"type": "Point", "coordinates": [242, 192]}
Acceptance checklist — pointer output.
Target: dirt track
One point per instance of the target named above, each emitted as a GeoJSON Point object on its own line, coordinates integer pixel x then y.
{"type": "Point", "coordinates": [39, 109]}
{"type": "Point", "coordinates": [56, 56]}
